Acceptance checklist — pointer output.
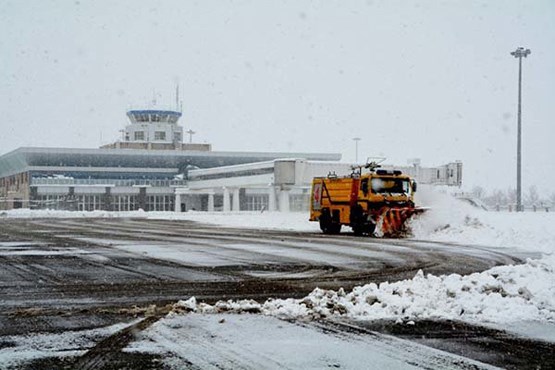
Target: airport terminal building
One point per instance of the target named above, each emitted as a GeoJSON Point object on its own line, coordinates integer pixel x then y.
{"type": "Point", "coordinates": [141, 171]}
{"type": "Point", "coordinates": [152, 169]}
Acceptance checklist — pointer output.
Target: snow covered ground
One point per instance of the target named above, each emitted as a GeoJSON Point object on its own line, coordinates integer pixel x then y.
{"type": "Point", "coordinates": [500, 296]}
{"type": "Point", "coordinates": [23, 348]}
{"type": "Point", "coordinates": [232, 341]}
{"type": "Point", "coordinates": [295, 221]}
{"type": "Point", "coordinates": [509, 297]}
{"type": "Point", "coordinates": [448, 220]}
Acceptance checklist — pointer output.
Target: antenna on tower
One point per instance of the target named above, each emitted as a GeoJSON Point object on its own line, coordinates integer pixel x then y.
{"type": "Point", "coordinates": [177, 96]}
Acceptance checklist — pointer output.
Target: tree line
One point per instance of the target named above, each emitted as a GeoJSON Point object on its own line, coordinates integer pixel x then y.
{"type": "Point", "coordinates": [531, 198]}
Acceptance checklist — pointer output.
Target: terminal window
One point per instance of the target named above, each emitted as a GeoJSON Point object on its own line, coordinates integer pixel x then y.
{"type": "Point", "coordinates": [139, 135]}
{"type": "Point", "coordinates": [159, 135]}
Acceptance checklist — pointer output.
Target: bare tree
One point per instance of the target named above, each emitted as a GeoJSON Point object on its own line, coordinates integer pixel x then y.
{"type": "Point", "coordinates": [478, 192]}
{"type": "Point", "coordinates": [497, 198]}
{"type": "Point", "coordinates": [511, 195]}
{"type": "Point", "coordinates": [533, 197]}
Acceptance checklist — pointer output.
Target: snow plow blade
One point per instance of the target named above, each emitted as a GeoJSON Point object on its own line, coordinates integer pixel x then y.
{"type": "Point", "coordinates": [392, 222]}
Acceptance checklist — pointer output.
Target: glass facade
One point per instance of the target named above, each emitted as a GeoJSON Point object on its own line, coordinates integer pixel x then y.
{"type": "Point", "coordinates": [160, 203]}
{"type": "Point", "coordinates": [299, 202]}
{"type": "Point", "coordinates": [104, 202]}
{"type": "Point", "coordinates": [124, 203]}
{"type": "Point", "coordinates": [256, 202]}
{"type": "Point", "coordinates": [89, 202]}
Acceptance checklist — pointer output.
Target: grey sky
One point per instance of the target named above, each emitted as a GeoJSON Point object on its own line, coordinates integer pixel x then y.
{"type": "Point", "coordinates": [427, 79]}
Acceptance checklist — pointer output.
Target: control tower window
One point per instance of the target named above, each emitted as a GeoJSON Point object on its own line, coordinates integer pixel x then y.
{"type": "Point", "coordinates": [139, 135]}
{"type": "Point", "coordinates": [141, 117]}
{"type": "Point", "coordinates": [159, 135]}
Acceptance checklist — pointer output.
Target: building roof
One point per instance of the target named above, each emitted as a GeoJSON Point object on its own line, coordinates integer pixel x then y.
{"type": "Point", "coordinates": [154, 111]}
{"type": "Point", "coordinates": [36, 158]}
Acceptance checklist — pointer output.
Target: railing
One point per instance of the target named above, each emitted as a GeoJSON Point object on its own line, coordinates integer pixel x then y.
{"type": "Point", "coordinates": [532, 208]}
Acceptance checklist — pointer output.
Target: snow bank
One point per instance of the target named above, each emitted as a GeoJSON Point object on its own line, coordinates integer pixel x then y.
{"type": "Point", "coordinates": [500, 295]}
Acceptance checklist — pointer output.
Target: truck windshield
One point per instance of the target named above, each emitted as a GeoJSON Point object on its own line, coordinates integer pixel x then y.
{"type": "Point", "coordinates": [390, 185]}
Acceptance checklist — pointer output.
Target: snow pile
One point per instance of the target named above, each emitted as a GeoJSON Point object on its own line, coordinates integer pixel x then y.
{"type": "Point", "coordinates": [500, 295]}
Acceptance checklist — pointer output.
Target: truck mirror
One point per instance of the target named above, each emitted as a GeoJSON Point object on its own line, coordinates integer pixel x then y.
{"type": "Point", "coordinates": [413, 186]}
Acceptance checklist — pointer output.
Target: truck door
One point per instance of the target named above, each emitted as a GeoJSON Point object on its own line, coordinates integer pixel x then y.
{"type": "Point", "coordinates": [317, 196]}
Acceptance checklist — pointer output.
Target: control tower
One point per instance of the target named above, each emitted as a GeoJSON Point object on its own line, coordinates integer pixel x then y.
{"type": "Point", "coordinates": [154, 127]}
{"type": "Point", "coordinates": [154, 130]}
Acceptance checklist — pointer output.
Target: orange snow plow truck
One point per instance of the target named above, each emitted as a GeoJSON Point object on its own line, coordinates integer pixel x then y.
{"type": "Point", "coordinates": [379, 201]}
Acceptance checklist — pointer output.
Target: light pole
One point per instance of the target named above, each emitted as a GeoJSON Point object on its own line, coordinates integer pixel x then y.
{"type": "Point", "coordinates": [519, 53]}
{"type": "Point", "coordinates": [191, 133]}
{"type": "Point", "coordinates": [356, 139]}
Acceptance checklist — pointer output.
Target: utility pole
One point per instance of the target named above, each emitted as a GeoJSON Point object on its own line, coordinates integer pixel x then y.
{"type": "Point", "coordinates": [356, 140]}
{"type": "Point", "coordinates": [519, 53]}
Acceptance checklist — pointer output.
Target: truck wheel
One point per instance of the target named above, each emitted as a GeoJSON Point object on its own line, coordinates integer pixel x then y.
{"type": "Point", "coordinates": [329, 227]}
{"type": "Point", "coordinates": [325, 220]}
{"type": "Point", "coordinates": [324, 225]}
{"type": "Point", "coordinates": [334, 228]}
{"type": "Point", "coordinates": [364, 229]}
{"type": "Point", "coordinates": [327, 223]}
{"type": "Point", "coordinates": [358, 230]}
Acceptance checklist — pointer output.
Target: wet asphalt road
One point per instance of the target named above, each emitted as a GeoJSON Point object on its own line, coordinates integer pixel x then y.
{"type": "Point", "coordinates": [60, 274]}
{"type": "Point", "coordinates": [72, 263]}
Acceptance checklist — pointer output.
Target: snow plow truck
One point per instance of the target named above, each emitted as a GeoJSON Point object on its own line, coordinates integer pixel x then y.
{"type": "Point", "coordinates": [380, 201]}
